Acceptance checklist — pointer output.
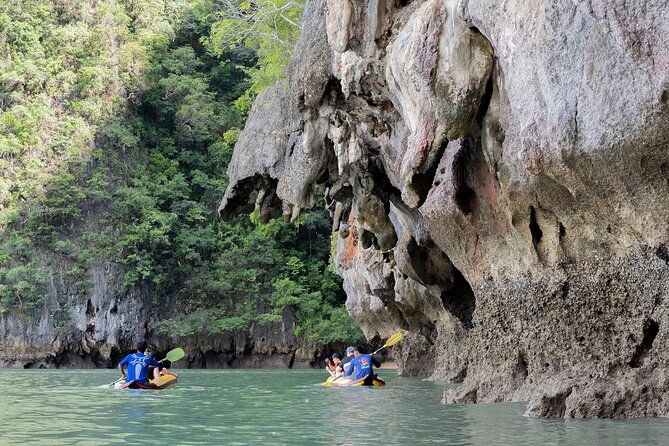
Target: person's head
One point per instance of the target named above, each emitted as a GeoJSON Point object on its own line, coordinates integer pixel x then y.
{"type": "Point", "coordinates": [357, 351]}
{"type": "Point", "coordinates": [141, 346]}
{"type": "Point", "coordinates": [336, 358]}
{"type": "Point", "coordinates": [349, 351]}
{"type": "Point", "coordinates": [165, 364]}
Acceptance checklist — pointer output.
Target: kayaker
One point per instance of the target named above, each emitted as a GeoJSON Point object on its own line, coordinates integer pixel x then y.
{"type": "Point", "coordinates": [361, 368]}
{"type": "Point", "coordinates": [138, 365]}
{"type": "Point", "coordinates": [331, 364]}
{"type": "Point", "coordinates": [345, 363]}
{"type": "Point", "coordinates": [163, 370]}
{"type": "Point", "coordinates": [152, 372]}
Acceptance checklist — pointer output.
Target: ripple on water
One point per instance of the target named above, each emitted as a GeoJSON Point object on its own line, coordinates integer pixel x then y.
{"type": "Point", "coordinates": [56, 407]}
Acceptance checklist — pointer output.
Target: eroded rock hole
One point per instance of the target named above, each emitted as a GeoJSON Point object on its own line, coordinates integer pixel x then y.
{"type": "Point", "coordinates": [382, 183]}
{"type": "Point", "coordinates": [650, 330]}
{"type": "Point", "coordinates": [487, 95]}
{"type": "Point", "coordinates": [90, 317]}
{"type": "Point", "coordinates": [424, 266]}
{"type": "Point", "coordinates": [459, 299]}
{"type": "Point", "coordinates": [562, 232]}
{"type": "Point", "coordinates": [460, 376]}
{"type": "Point", "coordinates": [555, 406]}
{"type": "Point", "coordinates": [663, 253]}
{"type": "Point", "coordinates": [422, 182]}
{"type": "Point", "coordinates": [117, 353]}
{"type": "Point", "coordinates": [432, 267]}
{"type": "Point", "coordinates": [368, 240]}
{"type": "Point", "coordinates": [245, 193]}
{"type": "Point", "coordinates": [465, 197]}
{"type": "Point", "coordinates": [536, 231]}
{"type": "Point", "coordinates": [664, 169]}
{"type": "Point", "coordinates": [520, 370]}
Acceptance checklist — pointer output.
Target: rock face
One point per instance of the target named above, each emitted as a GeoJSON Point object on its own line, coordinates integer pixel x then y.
{"type": "Point", "coordinates": [96, 328]}
{"type": "Point", "coordinates": [498, 173]}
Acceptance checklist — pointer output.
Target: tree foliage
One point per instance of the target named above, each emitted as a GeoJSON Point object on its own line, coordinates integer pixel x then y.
{"type": "Point", "coordinates": [116, 129]}
{"type": "Point", "coordinates": [270, 27]}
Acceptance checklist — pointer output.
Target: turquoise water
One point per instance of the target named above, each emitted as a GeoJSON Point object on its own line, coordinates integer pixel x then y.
{"type": "Point", "coordinates": [239, 407]}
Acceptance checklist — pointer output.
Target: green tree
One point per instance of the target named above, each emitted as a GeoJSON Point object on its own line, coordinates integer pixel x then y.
{"type": "Point", "coordinates": [270, 27]}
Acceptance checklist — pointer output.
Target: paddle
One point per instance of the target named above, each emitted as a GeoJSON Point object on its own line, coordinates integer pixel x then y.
{"type": "Point", "coordinates": [394, 339]}
{"type": "Point", "coordinates": [121, 379]}
{"type": "Point", "coordinates": [174, 355]}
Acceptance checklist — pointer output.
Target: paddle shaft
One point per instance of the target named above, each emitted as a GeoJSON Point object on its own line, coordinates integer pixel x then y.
{"type": "Point", "coordinates": [117, 381]}
{"type": "Point", "coordinates": [378, 350]}
{"type": "Point", "coordinates": [394, 339]}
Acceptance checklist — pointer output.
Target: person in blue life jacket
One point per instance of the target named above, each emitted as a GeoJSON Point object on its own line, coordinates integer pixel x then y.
{"type": "Point", "coordinates": [345, 364]}
{"type": "Point", "coordinates": [361, 368]}
{"type": "Point", "coordinates": [138, 365]}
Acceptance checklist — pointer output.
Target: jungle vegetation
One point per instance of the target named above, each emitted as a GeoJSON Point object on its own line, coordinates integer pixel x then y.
{"type": "Point", "coordinates": [117, 123]}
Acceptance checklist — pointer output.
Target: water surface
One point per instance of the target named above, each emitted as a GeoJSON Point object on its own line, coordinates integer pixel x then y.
{"type": "Point", "coordinates": [240, 407]}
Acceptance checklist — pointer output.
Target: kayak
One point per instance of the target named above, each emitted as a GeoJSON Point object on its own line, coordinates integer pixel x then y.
{"type": "Point", "coordinates": [336, 382]}
{"type": "Point", "coordinates": [160, 383]}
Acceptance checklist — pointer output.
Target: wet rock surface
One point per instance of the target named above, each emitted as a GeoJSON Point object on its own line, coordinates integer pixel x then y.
{"type": "Point", "coordinates": [498, 175]}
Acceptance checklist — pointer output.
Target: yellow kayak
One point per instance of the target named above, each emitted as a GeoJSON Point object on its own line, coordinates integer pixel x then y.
{"type": "Point", "coordinates": [162, 382]}
{"type": "Point", "coordinates": [341, 381]}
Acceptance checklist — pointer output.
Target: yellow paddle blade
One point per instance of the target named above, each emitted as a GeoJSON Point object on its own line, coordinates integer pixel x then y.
{"type": "Point", "coordinates": [394, 339]}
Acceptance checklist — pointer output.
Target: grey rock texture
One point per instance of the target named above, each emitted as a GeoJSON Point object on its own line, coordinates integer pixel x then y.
{"type": "Point", "coordinates": [498, 172]}
{"type": "Point", "coordinates": [97, 327]}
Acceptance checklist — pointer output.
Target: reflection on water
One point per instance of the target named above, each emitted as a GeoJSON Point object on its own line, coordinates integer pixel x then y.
{"type": "Point", "coordinates": [238, 407]}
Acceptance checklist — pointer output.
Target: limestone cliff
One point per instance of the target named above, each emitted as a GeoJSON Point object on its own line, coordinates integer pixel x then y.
{"type": "Point", "coordinates": [96, 327]}
{"type": "Point", "coordinates": [498, 172]}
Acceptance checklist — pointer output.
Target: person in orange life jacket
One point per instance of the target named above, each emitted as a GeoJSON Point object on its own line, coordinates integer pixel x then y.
{"type": "Point", "coordinates": [138, 365]}
{"type": "Point", "coordinates": [345, 363]}
{"type": "Point", "coordinates": [361, 368]}
{"type": "Point", "coordinates": [157, 372]}
{"type": "Point", "coordinates": [331, 365]}
{"type": "Point", "coordinates": [163, 370]}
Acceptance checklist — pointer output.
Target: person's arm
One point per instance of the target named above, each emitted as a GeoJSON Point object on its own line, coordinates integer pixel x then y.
{"type": "Point", "coordinates": [351, 369]}
{"type": "Point", "coordinates": [169, 373]}
{"type": "Point", "coordinates": [120, 366]}
{"type": "Point", "coordinates": [376, 362]}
